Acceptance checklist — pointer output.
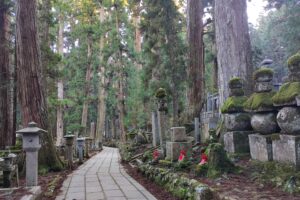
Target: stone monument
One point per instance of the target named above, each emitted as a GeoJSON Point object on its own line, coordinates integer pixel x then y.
{"type": "Point", "coordinates": [286, 147]}
{"type": "Point", "coordinates": [237, 121]}
{"type": "Point", "coordinates": [178, 144]}
{"type": "Point", "coordinates": [69, 140]}
{"type": "Point", "coordinates": [263, 119]}
{"type": "Point", "coordinates": [162, 117]}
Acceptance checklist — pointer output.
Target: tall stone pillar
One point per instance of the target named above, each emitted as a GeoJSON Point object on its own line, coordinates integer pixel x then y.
{"type": "Point", "coordinates": [155, 130]}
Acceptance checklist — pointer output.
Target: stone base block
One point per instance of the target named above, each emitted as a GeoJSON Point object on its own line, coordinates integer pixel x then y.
{"type": "Point", "coordinates": [174, 148]}
{"type": "Point", "coordinates": [261, 147]}
{"type": "Point", "coordinates": [286, 149]}
{"type": "Point", "coordinates": [237, 141]}
{"type": "Point", "coordinates": [178, 134]}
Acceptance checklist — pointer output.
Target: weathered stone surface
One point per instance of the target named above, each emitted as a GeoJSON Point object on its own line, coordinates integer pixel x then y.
{"type": "Point", "coordinates": [263, 87]}
{"type": "Point", "coordinates": [174, 148]}
{"type": "Point", "coordinates": [237, 122]}
{"type": "Point", "coordinates": [294, 77]}
{"type": "Point", "coordinates": [286, 149]}
{"type": "Point", "coordinates": [288, 119]}
{"type": "Point", "coordinates": [264, 123]}
{"type": "Point", "coordinates": [178, 134]}
{"type": "Point", "coordinates": [261, 147]}
{"type": "Point", "coordinates": [237, 141]}
{"type": "Point", "coordinates": [155, 131]}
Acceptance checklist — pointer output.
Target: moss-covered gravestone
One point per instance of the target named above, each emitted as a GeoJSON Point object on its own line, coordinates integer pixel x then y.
{"type": "Point", "coordinates": [237, 121]}
{"type": "Point", "coordinates": [263, 118]}
{"type": "Point", "coordinates": [287, 147]}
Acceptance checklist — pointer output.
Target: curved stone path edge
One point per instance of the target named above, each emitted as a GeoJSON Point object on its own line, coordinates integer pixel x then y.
{"type": "Point", "coordinates": [102, 177]}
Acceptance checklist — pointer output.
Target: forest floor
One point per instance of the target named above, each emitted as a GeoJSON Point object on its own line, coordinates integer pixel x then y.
{"type": "Point", "coordinates": [244, 186]}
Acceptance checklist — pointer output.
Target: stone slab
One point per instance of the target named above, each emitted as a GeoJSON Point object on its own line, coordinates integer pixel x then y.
{"type": "Point", "coordinates": [237, 141]}
{"type": "Point", "coordinates": [178, 134]}
{"type": "Point", "coordinates": [35, 192]}
{"type": "Point", "coordinates": [261, 147]}
{"type": "Point", "coordinates": [286, 149]}
{"type": "Point", "coordinates": [174, 148]}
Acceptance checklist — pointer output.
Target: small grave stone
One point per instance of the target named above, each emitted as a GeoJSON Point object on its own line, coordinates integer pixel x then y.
{"type": "Point", "coordinates": [261, 147]}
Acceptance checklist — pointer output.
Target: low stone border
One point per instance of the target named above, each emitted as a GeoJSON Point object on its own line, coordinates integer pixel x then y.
{"type": "Point", "coordinates": [180, 186]}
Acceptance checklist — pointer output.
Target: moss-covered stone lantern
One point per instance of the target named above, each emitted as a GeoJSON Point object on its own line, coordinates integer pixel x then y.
{"type": "Point", "coordinates": [260, 103]}
{"type": "Point", "coordinates": [237, 121]}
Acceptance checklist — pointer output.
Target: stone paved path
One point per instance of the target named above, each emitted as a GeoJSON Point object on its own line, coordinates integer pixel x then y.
{"type": "Point", "coordinates": [102, 177]}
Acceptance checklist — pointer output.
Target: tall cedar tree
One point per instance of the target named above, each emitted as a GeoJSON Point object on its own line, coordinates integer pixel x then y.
{"type": "Point", "coordinates": [164, 50]}
{"type": "Point", "coordinates": [196, 65]}
{"type": "Point", "coordinates": [233, 45]}
{"type": "Point", "coordinates": [5, 138]}
{"type": "Point", "coordinates": [30, 87]}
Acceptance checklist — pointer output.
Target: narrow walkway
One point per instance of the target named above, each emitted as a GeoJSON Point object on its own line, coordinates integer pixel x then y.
{"type": "Point", "coordinates": [102, 177]}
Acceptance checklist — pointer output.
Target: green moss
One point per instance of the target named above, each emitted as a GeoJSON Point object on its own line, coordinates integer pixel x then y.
{"type": "Point", "coordinates": [260, 101]}
{"type": "Point", "coordinates": [294, 60]}
{"type": "Point", "coordinates": [218, 162]}
{"type": "Point", "coordinates": [275, 136]}
{"type": "Point", "coordinates": [287, 93]}
{"type": "Point", "coordinates": [166, 163]}
{"type": "Point", "coordinates": [161, 93]}
{"type": "Point", "coordinates": [233, 104]}
{"type": "Point", "coordinates": [263, 72]}
{"type": "Point", "coordinates": [235, 82]}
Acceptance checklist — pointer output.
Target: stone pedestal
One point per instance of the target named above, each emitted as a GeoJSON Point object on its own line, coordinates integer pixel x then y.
{"type": "Point", "coordinates": [286, 149]}
{"type": "Point", "coordinates": [88, 142]}
{"type": "Point", "coordinates": [237, 141]}
{"type": "Point", "coordinates": [174, 148]}
{"type": "Point", "coordinates": [162, 129]}
{"type": "Point", "coordinates": [155, 130]}
{"type": "Point", "coordinates": [261, 147]}
{"type": "Point", "coordinates": [7, 169]}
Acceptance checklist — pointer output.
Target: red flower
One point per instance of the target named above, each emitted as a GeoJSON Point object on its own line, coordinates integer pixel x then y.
{"type": "Point", "coordinates": [204, 159]}
{"type": "Point", "coordinates": [155, 155]}
{"type": "Point", "coordinates": [182, 155]}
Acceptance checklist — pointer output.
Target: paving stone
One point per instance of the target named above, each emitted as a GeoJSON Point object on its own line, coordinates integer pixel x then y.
{"type": "Point", "coordinates": [95, 196]}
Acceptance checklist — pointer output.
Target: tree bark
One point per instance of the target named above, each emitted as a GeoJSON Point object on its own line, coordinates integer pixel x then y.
{"type": "Point", "coordinates": [233, 45]}
{"type": "Point", "coordinates": [5, 138]}
{"type": "Point", "coordinates": [101, 89]}
{"type": "Point", "coordinates": [60, 87]}
{"type": "Point", "coordinates": [88, 77]}
{"type": "Point", "coordinates": [195, 68]}
{"type": "Point", "coordinates": [30, 88]}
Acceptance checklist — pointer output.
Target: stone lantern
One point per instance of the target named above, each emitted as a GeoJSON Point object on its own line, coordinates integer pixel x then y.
{"type": "Point", "coordinates": [80, 146]}
{"type": "Point", "coordinates": [237, 121]}
{"type": "Point", "coordinates": [31, 145]}
{"type": "Point", "coordinates": [286, 148]}
{"type": "Point", "coordinates": [69, 140]}
{"type": "Point", "coordinates": [88, 144]}
{"type": "Point", "coordinates": [8, 167]}
{"type": "Point", "coordinates": [263, 119]}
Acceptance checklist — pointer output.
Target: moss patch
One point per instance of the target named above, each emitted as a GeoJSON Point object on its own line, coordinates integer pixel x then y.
{"type": "Point", "coordinates": [287, 93]}
{"type": "Point", "coordinates": [233, 104]}
{"type": "Point", "coordinates": [260, 101]}
{"type": "Point", "coordinates": [263, 72]}
{"type": "Point", "coordinates": [235, 83]}
{"type": "Point", "coordinates": [237, 92]}
{"type": "Point", "coordinates": [218, 162]}
{"type": "Point", "coordinates": [161, 93]}
{"type": "Point", "coordinates": [294, 60]}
